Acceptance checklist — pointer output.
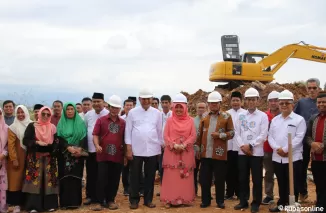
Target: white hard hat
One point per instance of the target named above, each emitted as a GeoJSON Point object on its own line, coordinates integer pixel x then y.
{"type": "Point", "coordinates": [273, 95]}
{"type": "Point", "coordinates": [145, 93]}
{"type": "Point", "coordinates": [251, 92]}
{"type": "Point", "coordinates": [286, 95]}
{"type": "Point", "coordinates": [214, 97]}
{"type": "Point", "coordinates": [115, 101]}
{"type": "Point", "coordinates": [180, 98]}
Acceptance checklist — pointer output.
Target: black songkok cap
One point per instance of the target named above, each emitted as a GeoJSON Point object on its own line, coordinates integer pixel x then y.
{"type": "Point", "coordinates": [38, 106]}
{"type": "Point", "coordinates": [97, 95]}
{"type": "Point", "coordinates": [236, 94]}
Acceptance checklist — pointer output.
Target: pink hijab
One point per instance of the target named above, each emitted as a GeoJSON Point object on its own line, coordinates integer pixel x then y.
{"type": "Point", "coordinates": [3, 132]}
{"type": "Point", "coordinates": [45, 131]}
{"type": "Point", "coordinates": [181, 125]}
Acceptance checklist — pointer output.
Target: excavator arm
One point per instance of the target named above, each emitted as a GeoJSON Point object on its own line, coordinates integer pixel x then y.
{"type": "Point", "coordinates": [301, 51]}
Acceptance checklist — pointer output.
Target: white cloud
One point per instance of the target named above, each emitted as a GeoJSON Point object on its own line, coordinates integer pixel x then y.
{"type": "Point", "coordinates": [167, 45]}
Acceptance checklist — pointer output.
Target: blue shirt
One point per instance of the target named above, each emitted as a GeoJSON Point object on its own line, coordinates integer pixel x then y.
{"type": "Point", "coordinates": [306, 107]}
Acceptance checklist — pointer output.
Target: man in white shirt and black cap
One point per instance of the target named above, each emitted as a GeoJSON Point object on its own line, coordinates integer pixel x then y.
{"type": "Point", "coordinates": [251, 131]}
{"type": "Point", "coordinates": [232, 177]}
{"type": "Point", "coordinates": [144, 139]}
{"type": "Point", "coordinates": [91, 163]}
{"type": "Point", "coordinates": [287, 122]}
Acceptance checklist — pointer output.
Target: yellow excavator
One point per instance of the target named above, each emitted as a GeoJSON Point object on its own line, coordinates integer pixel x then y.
{"type": "Point", "coordinates": [238, 69]}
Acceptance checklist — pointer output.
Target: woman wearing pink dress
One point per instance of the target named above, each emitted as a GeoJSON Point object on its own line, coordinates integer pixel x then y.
{"type": "Point", "coordinates": [178, 160]}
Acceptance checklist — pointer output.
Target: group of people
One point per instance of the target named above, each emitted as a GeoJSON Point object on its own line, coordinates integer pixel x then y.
{"type": "Point", "coordinates": [42, 161]}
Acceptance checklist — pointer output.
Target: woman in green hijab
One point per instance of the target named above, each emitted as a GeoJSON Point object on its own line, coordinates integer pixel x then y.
{"type": "Point", "coordinates": [71, 131]}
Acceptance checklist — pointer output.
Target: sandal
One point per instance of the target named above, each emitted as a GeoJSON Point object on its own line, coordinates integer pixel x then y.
{"type": "Point", "coordinates": [167, 206]}
{"type": "Point", "coordinates": [150, 205]}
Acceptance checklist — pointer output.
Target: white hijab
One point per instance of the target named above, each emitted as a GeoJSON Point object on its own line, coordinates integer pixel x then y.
{"type": "Point", "coordinates": [19, 127]}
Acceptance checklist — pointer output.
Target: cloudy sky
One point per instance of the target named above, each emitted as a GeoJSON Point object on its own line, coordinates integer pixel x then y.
{"type": "Point", "coordinates": [69, 49]}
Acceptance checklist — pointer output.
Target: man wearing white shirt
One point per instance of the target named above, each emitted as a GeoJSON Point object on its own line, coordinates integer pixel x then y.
{"type": "Point", "coordinates": [232, 180]}
{"type": "Point", "coordinates": [287, 122]}
{"type": "Point", "coordinates": [251, 132]}
{"type": "Point", "coordinates": [144, 139]}
{"type": "Point", "coordinates": [127, 106]}
{"type": "Point", "coordinates": [91, 163]}
{"type": "Point", "coordinates": [86, 106]}
{"type": "Point", "coordinates": [166, 113]}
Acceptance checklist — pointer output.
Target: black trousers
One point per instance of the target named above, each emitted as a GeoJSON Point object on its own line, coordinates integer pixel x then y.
{"type": "Point", "coordinates": [126, 179]}
{"type": "Point", "coordinates": [108, 179]}
{"type": "Point", "coordinates": [255, 165]}
{"type": "Point", "coordinates": [232, 180]}
{"type": "Point", "coordinates": [160, 165]}
{"type": "Point", "coordinates": [135, 173]}
{"type": "Point", "coordinates": [306, 160]}
{"type": "Point", "coordinates": [196, 170]}
{"type": "Point", "coordinates": [319, 173]}
{"type": "Point", "coordinates": [91, 179]}
{"type": "Point", "coordinates": [207, 168]}
{"type": "Point", "coordinates": [282, 174]}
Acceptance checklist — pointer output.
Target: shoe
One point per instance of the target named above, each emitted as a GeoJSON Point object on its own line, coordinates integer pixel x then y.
{"type": "Point", "coordinates": [125, 192]}
{"type": "Point", "coordinates": [16, 209]}
{"type": "Point", "coordinates": [158, 194]}
{"type": "Point", "coordinates": [275, 209]}
{"type": "Point", "coordinates": [254, 209]}
{"type": "Point", "coordinates": [202, 205]}
{"type": "Point", "coordinates": [241, 206]}
{"type": "Point", "coordinates": [227, 197]}
{"type": "Point", "coordinates": [133, 206]}
{"type": "Point", "coordinates": [33, 211]}
{"type": "Point", "coordinates": [267, 200]}
{"type": "Point", "coordinates": [98, 207]}
{"type": "Point", "coordinates": [141, 194]}
{"type": "Point", "coordinates": [113, 206]}
{"type": "Point", "coordinates": [150, 205]}
{"type": "Point", "coordinates": [221, 205]}
{"type": "Point", "coordinates": [88, 202]}
{"type": "Point", "coordinates": [303, 198]}
{"type": "Point", "coordinates": [51, 210]}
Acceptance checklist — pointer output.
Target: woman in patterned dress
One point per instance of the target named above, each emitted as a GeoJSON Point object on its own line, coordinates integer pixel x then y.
{"type": "Point", "coordinates": [41, 182]}
{"type": "Point", "coordinates": [71, 131]}
{"type": "Point", "coordinates": [178, 161]}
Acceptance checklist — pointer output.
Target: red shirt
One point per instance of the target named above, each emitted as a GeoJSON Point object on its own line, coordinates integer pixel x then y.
{"type": "Point", "coordinates": [267, 147]}
{"type": "Point", "coordinates": [111, 134]}
{"type": "Point", "coordinates": [319, 136]}
{"type": "Point", "coordinates": [55, 120]}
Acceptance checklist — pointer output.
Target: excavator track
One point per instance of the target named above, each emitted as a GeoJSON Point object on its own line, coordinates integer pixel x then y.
{"type": "Point", "coordinates": [231, 85]}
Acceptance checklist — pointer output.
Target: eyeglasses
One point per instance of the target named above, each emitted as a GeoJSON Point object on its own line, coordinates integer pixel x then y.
{"type": "Point", "coordinates": [46, 114]}
{"type": "Point", "coordinates": [285, 103]}
{"type": "Point", "coordinates": [312, 88]}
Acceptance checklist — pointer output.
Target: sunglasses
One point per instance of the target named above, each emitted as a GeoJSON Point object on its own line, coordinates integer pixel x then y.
{"type": "Point", "coordinates": [46, 114]}
{"type": "Point", "coordinates": [312, 88]}
{"type": "Point", "coordinates": [285, 103]}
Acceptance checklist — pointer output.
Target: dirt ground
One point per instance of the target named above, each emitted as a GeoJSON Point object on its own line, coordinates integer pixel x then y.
{"type": "Point", "coordinates": [123, 203]}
